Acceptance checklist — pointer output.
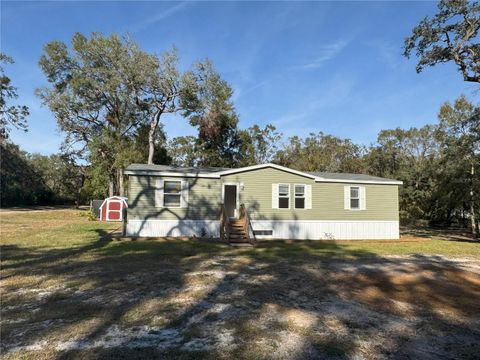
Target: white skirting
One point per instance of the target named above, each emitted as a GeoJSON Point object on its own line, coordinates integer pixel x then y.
{"type": "Point", "coordinates": [282, 229]}
{"type": "Point", "coordinates": [328, 229]}
{"type": "Point", "coordinates": [160, 228]}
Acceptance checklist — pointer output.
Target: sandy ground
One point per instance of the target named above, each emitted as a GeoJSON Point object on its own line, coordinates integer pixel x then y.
{"type": "Point", "coordinates": [424, 307]}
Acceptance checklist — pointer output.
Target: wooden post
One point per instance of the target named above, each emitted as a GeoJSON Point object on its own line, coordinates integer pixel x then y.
{"type": "Point", "coordinates": [124, 221]}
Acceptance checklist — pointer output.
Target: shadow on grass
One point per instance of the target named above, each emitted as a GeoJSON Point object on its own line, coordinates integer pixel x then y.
{"type": "Point", "coordinates": [457, 235]}
{"type": "Point", "coordinates": [100, 286]}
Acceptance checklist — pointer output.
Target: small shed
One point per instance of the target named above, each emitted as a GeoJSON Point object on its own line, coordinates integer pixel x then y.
{"type": "Point", "coordinates": [112, 208]}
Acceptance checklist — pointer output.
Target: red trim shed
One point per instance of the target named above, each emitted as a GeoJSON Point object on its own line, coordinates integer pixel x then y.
{"type": "Point", "coordinates": [112, 208]}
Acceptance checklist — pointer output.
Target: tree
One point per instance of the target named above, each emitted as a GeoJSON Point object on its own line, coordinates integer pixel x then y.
{"type": "Point", "coordinates": [459, 135]}
{"type": "Point", "coordinates": [63, 177]}
{"type": "Point", "coordinates": [161, 93]}
{"type": "Point", "coordinates": [142, 144]}
{"type": "Point", "coordinates": [259, 146]}
{"type": "Point", "coordinates": [411, 156]}
{"type": "Point", "coordinates": [10, 115]}
{"type": "Point", "coordinates": [21, 183]}
{"type": "Point", "coordinates": [184, 151]}
{"type": "Point", "coordinates": [198, 93]}
{"type": "Point", "coordinates": [206, 102]}
{"type": "Point", "coordinates": [94, 97]}
{"type": "Point", "coordinates": [451, 35]}
{"type": "Point", "coordinates": [321, 152]}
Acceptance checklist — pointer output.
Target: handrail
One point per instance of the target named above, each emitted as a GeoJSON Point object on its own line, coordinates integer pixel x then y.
{"type": "Point", "coordinates": [246, 222]}
{"type": "Point", "coordinates": [224, 224]}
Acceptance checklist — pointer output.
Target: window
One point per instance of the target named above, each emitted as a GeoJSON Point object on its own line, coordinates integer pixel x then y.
{"type": "Point", "coordinates": [354, 197]}
{"type": "Point", "coordinates": [299, 196]}
{"type": "Point", "coordinates": [283, 196]}
{"type": "Point", "coordinates": [171, 193]}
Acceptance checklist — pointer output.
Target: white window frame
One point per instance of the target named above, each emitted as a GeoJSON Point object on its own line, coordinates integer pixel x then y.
{"type": "Point", "coordinates": [280, 197]}
{"type": "Point", "coordinates": [355, 198]}
{"type": "Point", "coordinates": [180, 194]}
{"type": "Point", "coordinates": [304, 197]}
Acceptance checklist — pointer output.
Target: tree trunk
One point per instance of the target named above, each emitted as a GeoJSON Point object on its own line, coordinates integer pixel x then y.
{"type": "Point", "coordinates": [151, 136]}
{"type": "Point", "coordinates": [121, 190]}
{"type": "Point", "coordinates": [78, 196]}
{"type": "Point", "coordinates": [110, 187]}
{"type": "Point", "coordinates": [472, 205]}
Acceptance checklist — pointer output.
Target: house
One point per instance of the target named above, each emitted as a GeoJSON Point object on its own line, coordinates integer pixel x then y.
{"type": "Point", "coordinates": [262, 201]}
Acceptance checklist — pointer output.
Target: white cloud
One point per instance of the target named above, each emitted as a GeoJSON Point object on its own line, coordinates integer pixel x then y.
{"type": "Point", "coordinates": [327, 52]}
{"type": "Point", "coordinates": [159, 16]}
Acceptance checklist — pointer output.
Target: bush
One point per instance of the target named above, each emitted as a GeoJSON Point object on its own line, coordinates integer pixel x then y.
{"type": "Point", "coordinates": [89, 215]}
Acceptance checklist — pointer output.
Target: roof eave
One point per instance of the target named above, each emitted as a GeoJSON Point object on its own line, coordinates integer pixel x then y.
{"type": "Point", "coordinates": [172, 174]}
{"type": "Point", "coordinates": [351, 181]}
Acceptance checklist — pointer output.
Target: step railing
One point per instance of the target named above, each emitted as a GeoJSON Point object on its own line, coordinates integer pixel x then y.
{"type": "Point", "coordinates": [246, 223]}
{"type": "Point", "coordinates": [224, 224]}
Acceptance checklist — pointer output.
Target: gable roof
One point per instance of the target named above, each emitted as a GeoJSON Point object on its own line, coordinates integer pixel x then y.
{"type": "Point", "coordinates": [216, 173]}
{"type": "Point", "coordinates": [117, 198]}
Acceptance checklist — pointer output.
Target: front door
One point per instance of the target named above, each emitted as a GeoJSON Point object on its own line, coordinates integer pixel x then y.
{"type": "Point", "coordinates": [230, 200]}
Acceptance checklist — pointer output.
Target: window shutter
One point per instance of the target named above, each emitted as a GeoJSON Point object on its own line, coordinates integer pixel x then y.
{"type": "Point", "coordinates": [158, 193]}
{"type": "Point", "coordinates": [346, 197]}
{"type": "Point", "coordinates": [184, 195]}
{"type": "Point", "coordinates": [274, 196]}
{"type": "Point", "coordinates": [363, 198]}
{"type": "Point", "coordinates": [308, 196]}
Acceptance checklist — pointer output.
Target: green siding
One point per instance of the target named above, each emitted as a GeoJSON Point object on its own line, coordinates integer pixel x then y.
{"type": "Point", "coordinates": [327, 198]}
{"type": "Point", "coordinates": [256, 193]}
{"type": "Point", "coordinates": [203, 197]}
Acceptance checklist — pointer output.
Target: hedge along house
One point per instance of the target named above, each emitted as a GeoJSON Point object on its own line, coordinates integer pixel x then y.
{"type": "Point", "coordinates": [261, 201]}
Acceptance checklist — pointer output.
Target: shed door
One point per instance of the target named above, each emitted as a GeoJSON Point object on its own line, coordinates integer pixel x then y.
{"type": "Point", "coordinates": [230, 200]}
{"type": "Point", "coordinates": [114, 210]}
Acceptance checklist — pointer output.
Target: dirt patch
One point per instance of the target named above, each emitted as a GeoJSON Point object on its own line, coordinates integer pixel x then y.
{"type": "Point", "coordinates": [239, 305]}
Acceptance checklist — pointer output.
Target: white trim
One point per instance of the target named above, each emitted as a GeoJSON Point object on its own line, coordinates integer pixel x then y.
{"type": "Point", "coordinates": [184, 194]}
{"type": "Point", "coordinates": [308, 196]}
{"type": "Point", "coordinates": [237, 199]}
{"type": "Point", "coordinates": [363, 198]}
{"type": "Point", "coordinates": [158, 192]}
{"type": "Point", "coordinates": [180, 194]}
{"type": "Point", "coordinates": [107, 210]}
{"type": "Point", "coordinates": [355, 198]}
{"type": "Point", "coordinates": [274, 196]}
{"type": "Point", "coordinates": [329, 229]}
{"type": "Point", "coordinates": [283, 197]}
{"type": "Point", "coordinates": [262, 166]}
{"type": "Point", "coordinates": [174, 228]}
{"type": "Point", "coordinates": [304, 197]}
{"type": "Point", "coordinates": [172, 174]}
{"type": "Point", "coordinates": [115, 196]}
{"type": "Point", "coordinates": [351, 181]}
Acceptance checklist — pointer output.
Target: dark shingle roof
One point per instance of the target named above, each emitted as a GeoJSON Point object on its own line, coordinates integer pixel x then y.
{"type": "Point", "coordinates": [209, 171]}
{"type": "Point", "coordinates": [174, 169]}
{"type": "Point", "coordinates": [348, 176]}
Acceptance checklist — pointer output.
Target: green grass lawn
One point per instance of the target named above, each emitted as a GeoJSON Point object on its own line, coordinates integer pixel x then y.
{"type": "Point", "coordinates": [69, 290]}
{"type": "Point", "coordinates": [70, 228]}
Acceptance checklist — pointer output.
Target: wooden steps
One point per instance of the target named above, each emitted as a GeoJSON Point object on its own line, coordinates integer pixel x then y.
{"type": "Point", "coordinates": [237, 232]}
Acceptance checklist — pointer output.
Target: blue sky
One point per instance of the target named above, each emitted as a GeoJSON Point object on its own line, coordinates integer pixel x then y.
{"type": "Point", "coordinates": [305, 67]}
